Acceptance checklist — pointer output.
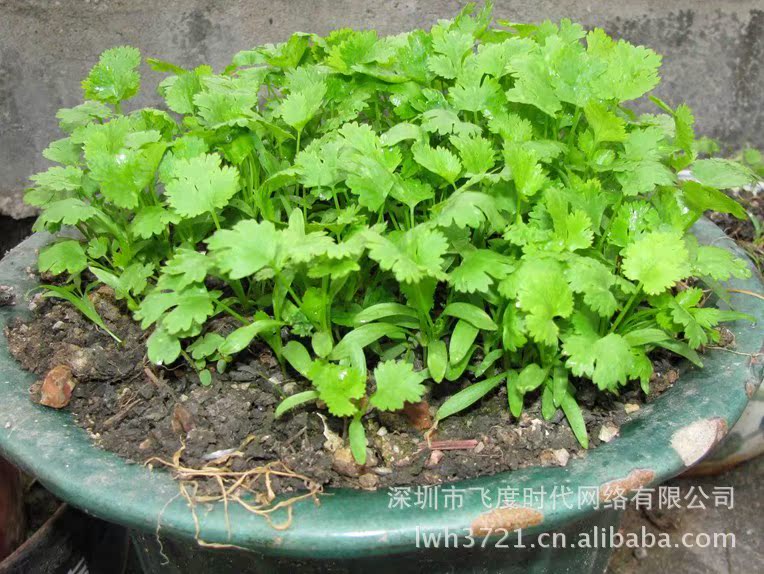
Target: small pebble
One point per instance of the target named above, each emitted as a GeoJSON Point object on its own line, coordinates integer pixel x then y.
{"type": "Point", "coordinates": [631, 408]}
{"type": "Point", "coordinates": [435, 457]}
{"type": "Point", "coordinates": [369, 481]}
{"type": "Point", "coordinates": [640, 553]}
{"type": "Point", "coordinates": [608, 432]}
{"type": "Point", "coordinates": [382, 431]}
{"type": "Point", "coordinates": [479, 448]}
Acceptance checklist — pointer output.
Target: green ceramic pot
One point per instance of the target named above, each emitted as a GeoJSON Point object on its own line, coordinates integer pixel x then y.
{"type": "Point", "coordinates": [359, 531]}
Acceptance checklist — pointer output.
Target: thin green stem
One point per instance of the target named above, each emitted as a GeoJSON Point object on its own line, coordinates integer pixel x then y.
{"type": "Point", "coordinates": [627, 308]}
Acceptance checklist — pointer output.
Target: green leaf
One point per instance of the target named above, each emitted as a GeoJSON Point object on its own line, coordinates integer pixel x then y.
{"type": "Point", "coordinates": [115, 77]}
{"type": "Point", "coordinates": [206, 347]}
{"type": "Point", "coordinates": [322, 344]}
{"type": "Point", "coordinates": [82, 303]}
{"type": "Point", "coordinates": [200, 185]}
{"type": "Point", "coordinates": [648, 336]}
{"type": "Point", "coordinates": [478, 270]}
{"type": "Point", "coordinates": [437, 360]}
{"type": "Point", "coordinates": [70, 211]}
{"type": "Point", "coordinates": [152, 221]}
{"type": "Point", "coordinates": [531, 378]}
{"type": "Point", "coordinates": [606, 125]}
{"type": "Point", "coordinates": [437, 160]}
{"type": "Point", "coordinates": [548, 408]}
{"type": "Point", "coordinates": [683, 350]}
{"type": "Point", "coordinates": [383, 311]}
{"type": "Point", "coordinates": [526, 171]}
{"type": "Point", "coordinates": [65, 256]}
{"type": "Point", "coordinates": [205, 378]}
{"type": "Point", "coordinates": [297, 355]}
{"type": "Point", "coordinates": [59, 178]}
{"type": "Point", "coordinates": [190, 307]}
{"type": "Point", "coordinates": [364, 336]}
{"type": "Point", "coordinates": [462, 338]}
{"type": "Point", "coordinates": [514, 396]}
{"type": "Point", "coordinates": [702, 198]}
{"type": "Point", "coordinates": [163, 348]}
{"type": "Point", "coordinates": [477, 153]}
{"type": "Point", "coordinates": [471, 314]}
{"type": "Point", "coordinates": [719, 264]}
{"type": "Point", "coordinates": [575, 419]}
{"type": "Point", "coordinates": [397, 384]}
{"type": "Point", "coordinates": [298, 108]}
{"type": "Point", "coordinates": [658, 260]}
{"type": "Point", "coordinates": [412, 255]}
{"type": "Point", "coordinates": [246, 249]}
{"type": "Point", "coordinates": [722, 173]}
{"type": "Point", "coordinates": [294, 401]}
{"type": "Point", "coordinates": [242, 337]}
{"type": "Point", "coordinates": [338, 386]}
{"type": "Point", "coordinates": [357, 439]}
{"type": "Point", "coordinates": [468, 397]}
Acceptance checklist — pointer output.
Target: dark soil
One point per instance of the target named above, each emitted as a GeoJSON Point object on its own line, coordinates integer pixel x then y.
{"type": "Point", "coordinates": [141, 413]}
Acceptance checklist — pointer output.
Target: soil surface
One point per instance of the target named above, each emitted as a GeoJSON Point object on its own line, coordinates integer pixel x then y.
{"type": "Point", "coordinates": [143, 413]}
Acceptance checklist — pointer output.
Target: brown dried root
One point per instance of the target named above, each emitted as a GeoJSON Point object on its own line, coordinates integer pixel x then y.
{"type": "Point", "coordinates": [251, 489]}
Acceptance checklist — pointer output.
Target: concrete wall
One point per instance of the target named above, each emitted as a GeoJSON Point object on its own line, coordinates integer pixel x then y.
{"type": "Point", "coordinates": [712, 52]}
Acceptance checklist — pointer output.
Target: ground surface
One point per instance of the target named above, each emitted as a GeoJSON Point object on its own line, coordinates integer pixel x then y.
{"type": "Point", "coordinates": [745, 520]}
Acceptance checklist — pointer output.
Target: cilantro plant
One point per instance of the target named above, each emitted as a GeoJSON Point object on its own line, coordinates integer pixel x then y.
{"type": "Point", "coordinates": [476, 202]}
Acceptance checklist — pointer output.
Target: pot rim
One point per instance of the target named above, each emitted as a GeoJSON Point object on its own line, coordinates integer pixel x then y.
{"type": "Point", "coordinates": [665, 438]}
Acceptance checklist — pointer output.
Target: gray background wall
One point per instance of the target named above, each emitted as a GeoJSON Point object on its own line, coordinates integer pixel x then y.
{"type": "Point", "coordinates": [712, 52]}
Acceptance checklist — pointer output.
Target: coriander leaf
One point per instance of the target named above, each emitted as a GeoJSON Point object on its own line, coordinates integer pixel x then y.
{"type": "Point", "coordinates": [200, 185]}
{"type": "Point", "coordinates": [298, 108]}
{"type": "Point", "coordinates": [338, 386]}
{"type": "Point", "coordinates": [526, 171]}
{"type": "Point", "coordinates": [58, 178]}
{"type": "Point", "coordinates": [607, 360]}
{"type": "Point", "coordinates": [721, 173]}
{"type": "Point", "coordinates": [657, 260]}
{"type": "Point", "coordinates": [64, 256]}
{"type": "Point", "coordinates": [188, 266]}
{"type": "Point", "coordinates": [163, 348]}
{"type": "Point", "coordinates": [397, 384]}
{"type": "Point", "coordinates": [151, 221]}
{"type": "Point", "coordinates": [437, 160]}
{"type": "Point", "coordinates": [246, 249]}
{"type": "Point", "coordinates": [115, 77]}
{"type": "Point", "coordinates": [719, 264]}
{"type": "Point", "coordinates": [478, 270]}
{"type": "Point", "coordinates": [606, 125]}
{"type": "Point", "coordinates": [592, 279]}
{"type": "Point", "coordinates": [476, 152]}
{"type": "Point", "coordinates": [81, 115]}
{"type": "Point", "coordinates": [543, 293]}
{"type": "Point", "coordinates": [70, 211]}
{"type": "Point", "coordinates": [411, 255]}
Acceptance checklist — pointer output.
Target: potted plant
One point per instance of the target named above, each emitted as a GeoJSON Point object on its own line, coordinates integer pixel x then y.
{"type": "Point", "coordinates": [440, 217]}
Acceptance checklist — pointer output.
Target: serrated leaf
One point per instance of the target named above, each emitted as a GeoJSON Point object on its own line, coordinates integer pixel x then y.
{"type": "Point", "coordinates": [201, 185]}
{"type": "Point", "coordinates": [115, 78]}
{"type": "Point", "coordinates": [397, 384]}
{"type": "Point", "coordinates": [657, 260]}
{"type": "Point", "coordinates": [65, 256]}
